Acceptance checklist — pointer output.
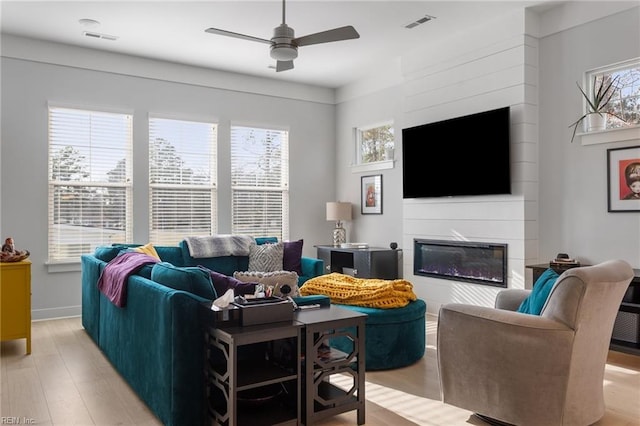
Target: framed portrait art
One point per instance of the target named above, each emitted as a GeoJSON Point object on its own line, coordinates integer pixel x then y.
{"type": "Point", "coordinates": [623, 174]}
{"type": "Point", "coordinates": [371, 195]}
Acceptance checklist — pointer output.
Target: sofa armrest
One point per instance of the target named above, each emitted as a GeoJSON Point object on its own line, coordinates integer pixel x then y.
{"type": "Point", "coordinates": [311, 267]}
{"type": "Point", "coordinates": [91, 269]}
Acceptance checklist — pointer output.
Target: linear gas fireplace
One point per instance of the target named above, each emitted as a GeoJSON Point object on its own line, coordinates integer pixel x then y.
{"type": "Point", "coordinates": [475, 262]}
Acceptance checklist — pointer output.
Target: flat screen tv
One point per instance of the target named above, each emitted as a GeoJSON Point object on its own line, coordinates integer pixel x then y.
{"type": "Point", "coordinates": [466, 155]}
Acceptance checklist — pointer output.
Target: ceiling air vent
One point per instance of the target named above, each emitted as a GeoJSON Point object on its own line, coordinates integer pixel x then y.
{"type": "Point", "coordinates": [99, 35]}
{"type": "Point", "coordinates": [425, 18]}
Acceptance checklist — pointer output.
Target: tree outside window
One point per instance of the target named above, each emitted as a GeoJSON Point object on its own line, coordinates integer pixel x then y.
{"type": "Point", "coordinates": [375, 143]}
{"type": "Point", "coordinates": [89, 181]}
{"type": "Point", "coordinates": [625, 99]}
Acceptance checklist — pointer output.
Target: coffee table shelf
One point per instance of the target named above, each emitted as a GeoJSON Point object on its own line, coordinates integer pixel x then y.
{"type": "Point", "coordinates": [242, 359]}
{"type": "Point", "coordinates": [321, 398]}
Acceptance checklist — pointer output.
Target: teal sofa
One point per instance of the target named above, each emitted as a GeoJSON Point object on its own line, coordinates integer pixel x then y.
{"type": "Point", "coordinates": [156, 340]}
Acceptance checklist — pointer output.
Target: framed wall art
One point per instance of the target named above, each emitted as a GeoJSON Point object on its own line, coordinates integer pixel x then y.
{"type": "Point", "coordinates": [371, 195]}
{"type": "Point", "coordinates": [623, 174]}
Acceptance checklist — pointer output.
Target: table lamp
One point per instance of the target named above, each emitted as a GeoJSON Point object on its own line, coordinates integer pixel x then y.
{"type": "Point", "coordinates": [339, 211]}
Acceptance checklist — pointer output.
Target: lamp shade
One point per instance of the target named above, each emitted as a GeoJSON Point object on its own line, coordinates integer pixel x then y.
{"type": "Point", "coordinates": [337, 210]}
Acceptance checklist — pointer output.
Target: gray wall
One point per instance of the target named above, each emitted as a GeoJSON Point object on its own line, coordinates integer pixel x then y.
{"type": "Point", "coordinates": [559, 201]}
{"type": "Point", "coordinates": [560, 206]}
{"type": "Point", "coordinates": [28, 86]}
{"type": "Point", "coordinates": [573, 177]}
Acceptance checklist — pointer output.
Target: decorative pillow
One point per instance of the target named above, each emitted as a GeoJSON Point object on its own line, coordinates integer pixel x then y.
{"type": "Point", "coordinates": [277, 279]}
{"type": "Point", "coordinates": [222, 283]}
{"type": "Point", "coordinates": [266, 257]}
{"type": "Point", "coordinates": [534, 303]}
{"type": "Point", "coordinates": [107, 253]}
{"type": "Point", "coordinates": [191, 279]}
{"type": "Point", "coordinates": [292, 256]}
{"type": "Point", "coordinates": [147, 249]}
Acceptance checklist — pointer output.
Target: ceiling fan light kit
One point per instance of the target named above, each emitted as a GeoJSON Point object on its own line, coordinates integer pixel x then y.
{"type": "Point", "coordinates": [284, 45]}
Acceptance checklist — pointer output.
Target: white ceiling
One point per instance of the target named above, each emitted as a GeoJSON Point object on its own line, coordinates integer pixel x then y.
{"type": "Point", "coordinates": [174, 31]}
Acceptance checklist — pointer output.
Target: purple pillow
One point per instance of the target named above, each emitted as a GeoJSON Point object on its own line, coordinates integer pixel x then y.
{"type": "Point", "coordinates": [222, 283]}
{"type": "Point", "coordinates": [292, 257]}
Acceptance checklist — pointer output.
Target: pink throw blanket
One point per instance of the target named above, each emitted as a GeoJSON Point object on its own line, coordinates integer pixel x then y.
{"type": "Point", "coordinates": [113, 279]}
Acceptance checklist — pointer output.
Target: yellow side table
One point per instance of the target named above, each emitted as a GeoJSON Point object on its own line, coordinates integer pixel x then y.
{"type": "Point", "coordinates": [15, 301]}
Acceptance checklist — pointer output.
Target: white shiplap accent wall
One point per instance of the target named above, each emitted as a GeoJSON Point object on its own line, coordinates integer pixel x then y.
{"type": "Point", "coordinates": [493, 67]}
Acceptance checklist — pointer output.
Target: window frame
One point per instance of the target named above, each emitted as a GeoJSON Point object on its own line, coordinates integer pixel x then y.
{"type": "Point", "coordinates": [88, 239]}
{"type": "Point", "coordinates": [209, 226]}
{"type": "Point", "coordinates": [282, 189]}
{"type": "Point", "coordinates": [609, 134]}
{"type": "Point", "coordinates": [387, 162]}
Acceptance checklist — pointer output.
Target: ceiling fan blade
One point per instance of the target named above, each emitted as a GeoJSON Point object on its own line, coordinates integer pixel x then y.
{"type": "Point", "coordinates": [284, 66]}
{"type": "Point", "coordinates": [236, 35]}
{"type": "Point", "coordinates": [336, 34]}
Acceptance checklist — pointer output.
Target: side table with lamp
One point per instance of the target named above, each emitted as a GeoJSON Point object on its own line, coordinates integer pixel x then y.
{"type": "Point", "coordinates": [339, 211]}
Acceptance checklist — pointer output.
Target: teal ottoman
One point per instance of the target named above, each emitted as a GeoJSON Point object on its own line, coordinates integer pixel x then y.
{"type": "Point", "coordinates": [393, 337]}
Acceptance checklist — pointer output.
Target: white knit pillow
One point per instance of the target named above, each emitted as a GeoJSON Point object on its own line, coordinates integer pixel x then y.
{"type": "Point", "coordinates": [266, 257]}
{"type": "Point", "coordinates": [276, 279]}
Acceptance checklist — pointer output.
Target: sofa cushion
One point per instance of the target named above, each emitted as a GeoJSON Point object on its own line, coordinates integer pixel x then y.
{"type": "Point", "coordinates": [107, 253]}
{"type": "Point", "coordinates": [266, 257]}
{"type": "Point", "coordinates": [191, 279]}
{"type": "Point", "coordinates": [534, 303]}
{"type": "Point", "coordinates": [276, 279]}
{"type": "Point", "coordinates": [292, 256]}
{"type": "Point", "coordinates": [266, 240]}
{"type": "Point", "coordinates": [224, 264]}
{"type": "Point", "coordinates": [165, 253]}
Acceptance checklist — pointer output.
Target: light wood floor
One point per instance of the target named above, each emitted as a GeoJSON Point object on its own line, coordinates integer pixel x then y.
{"type": "Point", "coordinates": [66, 381]}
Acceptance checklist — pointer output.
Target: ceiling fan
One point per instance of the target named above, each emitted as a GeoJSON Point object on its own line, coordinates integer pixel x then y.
{"type": "Point", "coordinates": [284, 45]}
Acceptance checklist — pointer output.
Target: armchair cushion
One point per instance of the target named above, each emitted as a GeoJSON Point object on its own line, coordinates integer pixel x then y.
{"type": "Point", "coordinates": [511, 298]}
{"type": "Point", "coordinates": [535, 301]}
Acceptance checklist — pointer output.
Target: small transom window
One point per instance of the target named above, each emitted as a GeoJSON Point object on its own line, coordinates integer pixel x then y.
{"type": "Point", "coordinates": [624, 106]}
{"type": "Point", "coordinates": [374, 143]}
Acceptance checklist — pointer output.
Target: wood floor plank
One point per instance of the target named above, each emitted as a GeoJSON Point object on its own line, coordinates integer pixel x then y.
{"type": "Point", "coordinates": [68, 381]}
{"type": "Point", "coordinates": [66, 406]}
{"type": "Point", "coordinates": [26, 398]}
{"type": "Point", "coordinates": [103, 403]}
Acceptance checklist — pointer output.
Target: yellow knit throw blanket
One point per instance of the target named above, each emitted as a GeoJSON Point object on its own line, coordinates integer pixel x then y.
{"type": "Point", "coordinates": [372, 293]}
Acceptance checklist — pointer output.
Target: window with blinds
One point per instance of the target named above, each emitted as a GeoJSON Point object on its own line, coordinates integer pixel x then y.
{"type": "Point", "coordinates": [182, 178]}
{"type": "Point", "coordinates": [260, 181]}
{"type": "Point", "coordinates": [89, 181]}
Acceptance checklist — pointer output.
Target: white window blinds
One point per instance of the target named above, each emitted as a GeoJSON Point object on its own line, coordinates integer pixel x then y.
{"type": "Point", "coordinates": [182, 178]}
{"type": "Point", "coordinates": [89, 181]}
{"type": "Point", "coordinates": [260, 181]}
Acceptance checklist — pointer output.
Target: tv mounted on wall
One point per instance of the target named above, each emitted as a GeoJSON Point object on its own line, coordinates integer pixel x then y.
{"type": "Point", "coordinates": [466, 155]}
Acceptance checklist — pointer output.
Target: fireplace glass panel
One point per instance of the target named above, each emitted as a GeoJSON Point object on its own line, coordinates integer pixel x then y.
{"type": "Point", "coordinates": [480, 263]}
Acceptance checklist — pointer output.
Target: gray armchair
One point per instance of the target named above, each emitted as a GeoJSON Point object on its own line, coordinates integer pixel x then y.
{"type": "Point", "coordinates": [534, 370]}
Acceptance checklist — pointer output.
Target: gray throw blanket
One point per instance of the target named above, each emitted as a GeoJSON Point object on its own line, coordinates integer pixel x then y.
{"type": "Point", "coordinates": [219, 245]}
